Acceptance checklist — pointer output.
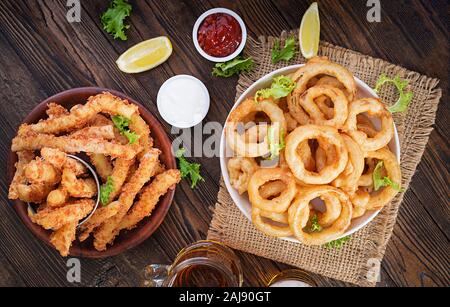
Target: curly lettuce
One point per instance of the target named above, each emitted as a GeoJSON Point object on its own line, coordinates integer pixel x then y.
{"type": "Point", "coordinates": [281, 87]}
{"type": "Point", "coordinates": [401, 85]}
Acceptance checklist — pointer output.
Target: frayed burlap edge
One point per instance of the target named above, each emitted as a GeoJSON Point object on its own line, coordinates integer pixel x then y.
{"type": "Point", "coordinates": [368, 245]}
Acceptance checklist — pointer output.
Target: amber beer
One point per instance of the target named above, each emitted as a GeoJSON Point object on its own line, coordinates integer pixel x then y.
{"type": "Point", "coordinates": [201, 264]}
{"type": "Point", "coordinates": [202, 275]}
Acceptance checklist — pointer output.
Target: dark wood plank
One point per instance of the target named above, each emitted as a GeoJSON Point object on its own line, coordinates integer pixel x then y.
{"type": "Point", "coordinates": [42, 54]}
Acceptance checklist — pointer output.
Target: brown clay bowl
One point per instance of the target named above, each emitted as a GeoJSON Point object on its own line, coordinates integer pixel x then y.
{"type": "Point", "coordinates": [126, 240]}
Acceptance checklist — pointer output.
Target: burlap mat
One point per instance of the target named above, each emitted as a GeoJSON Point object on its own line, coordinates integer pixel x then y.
{"type": "Point", "coordinates": [353, 262]}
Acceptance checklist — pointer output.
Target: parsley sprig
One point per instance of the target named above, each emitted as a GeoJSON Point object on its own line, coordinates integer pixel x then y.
{"type": "Point", "coordinates": [113, 18]}
{"type": "Point", "coordinates": [187, 169]}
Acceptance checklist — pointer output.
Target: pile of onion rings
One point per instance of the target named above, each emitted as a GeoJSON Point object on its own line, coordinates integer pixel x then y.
{"type": "Point", "coordinates": [328, 152]}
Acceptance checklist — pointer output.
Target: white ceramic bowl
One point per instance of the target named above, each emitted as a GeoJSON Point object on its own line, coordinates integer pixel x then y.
{"type": "Point", "coordinates": [224, 11]}
{"type": "Point", "coordinates": [242, 201]}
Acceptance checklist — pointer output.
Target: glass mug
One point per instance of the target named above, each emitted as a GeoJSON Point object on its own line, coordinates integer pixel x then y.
{"type": "Point", "coordinates": [292, 278]}
{"type": "Point", "coordinates": [202, 264]}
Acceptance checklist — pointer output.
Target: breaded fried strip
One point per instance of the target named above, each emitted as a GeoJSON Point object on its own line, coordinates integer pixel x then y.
{"type": "Point", "coordinates": [140, 127]}
{"type": "Point", "coordinates": [54, 156]}
{"type": "Point", "coordinates": [63, 237]}
{"type": "Point", "coordinates": [57, 197]}
{"type": "Point", "coordinates": [56, 110]}
{"type": "Point", "coordinates": [33, 193]}
{"type": "Point", "coordinates": [24, 157]}
{"type": "Point", "coordinates": [41, 171]}
{"type": "Point", "coordinates": [79, 116]}
{"type": "Point", "coordinates": [78, 187]}
{"type": "Point", "coordinates": [100, 132]}
{"type": "Point", "coordinates": [100, 120]}
{"type": "Point", "coordinates": [100, 215]}
{"type": "Point", "coordinates": [107, 231]}
{"type": "Point", "coordinates": [102, 165]}
{"type": "Point", "coordinates": [119, 174]}
{"type": "Point", "coordinates": [149, 198]}
{"type": "Point", "coordinates": [75, 166]}
{"type": "Point", "coordinates": [34, 141]}
{"type": "Point", "coordinates": [51, 218]}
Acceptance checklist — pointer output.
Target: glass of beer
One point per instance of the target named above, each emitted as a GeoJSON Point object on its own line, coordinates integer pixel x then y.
{"type": "Point", "coordinates": [202, 264]}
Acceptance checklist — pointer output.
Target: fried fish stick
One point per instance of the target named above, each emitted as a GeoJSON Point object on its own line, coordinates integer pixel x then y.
{"type": "Point", "coordinates": [35, 141]}
{"type": "Point", "coordinates": [149, 198]}
{"type": "Point", "coordinates": [51, 218]}
{"type": "Point", "coordinates": [63, 237]}
{"type": "Point", "coordinates": [40, 171]}
{"type": "Point", "coordinates": [24, 157]}
{"type": "Point", "coordinates": [56, 110]}
{"type": "Point", "coordinates": [108, 230]}
{"type": "Point", "coordinates": [80, 116]}
{"type": "Point", "coordinates": [102, 165]}
{"type": "Point", "coordinates": [100, 215]}
{"type": "Point", "coordinates": [101, 132]}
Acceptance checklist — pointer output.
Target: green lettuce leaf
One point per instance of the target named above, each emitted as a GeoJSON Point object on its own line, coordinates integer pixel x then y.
{"type": "Point", "coordinates": [232, 67]}
{"type": "Point", "coordinates": [401, 85]}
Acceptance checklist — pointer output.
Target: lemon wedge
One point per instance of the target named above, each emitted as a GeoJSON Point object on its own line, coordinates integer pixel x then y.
{"type": "Point", "coordinates": [145, 55]}
{"type": "Point", "coordinates": [309, 32]}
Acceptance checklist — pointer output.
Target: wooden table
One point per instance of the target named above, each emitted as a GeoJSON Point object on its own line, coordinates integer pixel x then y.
{"type": "Point", "coordinates": [41, 54]}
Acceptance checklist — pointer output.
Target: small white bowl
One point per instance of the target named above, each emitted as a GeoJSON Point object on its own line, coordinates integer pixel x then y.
{"type": "Point", "coordinates": [200, 20]}
{"type": "Point", "coordinates": [178, 117]}
{"type": "Point", "coordinates": [242, 201]}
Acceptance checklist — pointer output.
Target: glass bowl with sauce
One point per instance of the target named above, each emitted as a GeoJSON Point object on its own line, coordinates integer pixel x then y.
{"type": "Point", "coordinates": [219, 35]}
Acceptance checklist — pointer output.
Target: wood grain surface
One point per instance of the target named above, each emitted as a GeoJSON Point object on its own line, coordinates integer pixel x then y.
{"type": "Point", "coordinates": [41, 54]}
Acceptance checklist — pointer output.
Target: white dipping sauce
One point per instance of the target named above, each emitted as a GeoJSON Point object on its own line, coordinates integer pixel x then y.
{"type": "Point", "coordinates": [183, 101]}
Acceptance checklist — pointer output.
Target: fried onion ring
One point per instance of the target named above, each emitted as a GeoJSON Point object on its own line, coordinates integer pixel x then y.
{"type": "Point", "coordinates": [322, 66]}
{"type": "Point", "coordinates": [325, 134]}
{"type": "Point", "coordinates": [359, 199]}
{"type": "Point", "coordinates": [264, 175]}
{"type": "Point", "coordinates": [306, 101]}
{"type": "Point", "coordinates": [373, 107]}
{"type": "Point", "coordinates": [348, 179]}
{"type": "Point", "coordinates": [237, 142]}
{"type": "Point", "coordinates": [333, 210]}
{"type": "Point", "coordinates": [299, 214]}
{"type": "Point", "coordinates": [269, 228]}
{"type": "Point", "coordinates": [240, 170]}
{"type": "Point", "coordinates": [380, 198]}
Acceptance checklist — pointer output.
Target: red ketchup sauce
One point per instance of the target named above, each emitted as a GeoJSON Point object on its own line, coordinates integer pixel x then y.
{"type": "Point", "coordinates": [219, 35]}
